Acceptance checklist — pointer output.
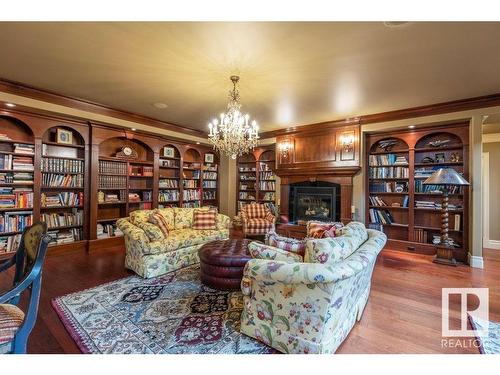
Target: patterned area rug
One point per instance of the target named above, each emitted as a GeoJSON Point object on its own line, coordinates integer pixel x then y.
{"type": "Point", "coordinates": [488, 334]}
{"type": "Point", "coordinates": [173, 313]}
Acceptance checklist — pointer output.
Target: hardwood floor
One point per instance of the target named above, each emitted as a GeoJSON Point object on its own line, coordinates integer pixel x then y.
{"type": "Point", "coordinates": [403, 314]}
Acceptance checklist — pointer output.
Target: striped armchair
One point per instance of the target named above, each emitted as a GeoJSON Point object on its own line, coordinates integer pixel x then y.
{"type": "Point", "coordinates": [257, 219]}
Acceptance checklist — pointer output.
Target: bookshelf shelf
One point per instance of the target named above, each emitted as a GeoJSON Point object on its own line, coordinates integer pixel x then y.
{"type": "Point", "coordinates": [413, 228]}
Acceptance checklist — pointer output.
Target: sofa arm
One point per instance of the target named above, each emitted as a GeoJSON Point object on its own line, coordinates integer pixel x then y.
{"type": "Point", "coordinates": [294, 273]}
{"type": "Point", "coordinates": [133, 232]}
{"type": "Point", "coordinates": [260, 251]}
{"type": "Point", "coordinates": [223, 222]}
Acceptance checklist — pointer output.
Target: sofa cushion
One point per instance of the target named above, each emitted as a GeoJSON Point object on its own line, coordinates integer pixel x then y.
{"type": "Point", "coordinates": [140, 216]}
{"type": "Point", "coordinates": [329, 250]}
{"type": "Point", "coordinates": [168, 214]}
{"type": "Point", "coordinates": [356, 231]}
{"type": "Point", "coordinates": [255, 211]}
{"type": "Point", "coordinates": [153, 232]}
{"type": "Point", "coordinates": [258, 225]}
{"type": "Point", "coordinates": [284, 243]}
{"type": "Point", "coordinates": [319, 229]}
{"type": "Point", "coordinates": [11, 319]}
{"type": "Point", "coordinates": [159, 220]}
{"type": "Point", "coordinates": [204, 219]}
{"type": "Point", "coordinates": [183, 217]}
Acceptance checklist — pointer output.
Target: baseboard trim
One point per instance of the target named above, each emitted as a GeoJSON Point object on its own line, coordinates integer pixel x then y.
{"type": "Point", "coordinates": [475, 261]}
{"type": "Point", "coordinates": [492, 244]}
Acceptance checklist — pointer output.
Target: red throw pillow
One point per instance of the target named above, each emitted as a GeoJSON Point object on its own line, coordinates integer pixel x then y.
{"type": "Point", "coordinates": [204, 219]}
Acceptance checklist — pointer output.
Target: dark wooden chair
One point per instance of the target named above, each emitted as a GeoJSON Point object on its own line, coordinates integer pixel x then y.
{"type": "Point", "coordinates": [15, 324]}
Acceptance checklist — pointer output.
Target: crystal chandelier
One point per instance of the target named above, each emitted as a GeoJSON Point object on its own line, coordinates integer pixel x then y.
{"type": "Point", "coordinates": [233, 134]}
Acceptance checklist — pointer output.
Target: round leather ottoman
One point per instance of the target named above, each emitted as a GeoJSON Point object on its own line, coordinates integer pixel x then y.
{"type": "Point", "coordinates": [222, 263]}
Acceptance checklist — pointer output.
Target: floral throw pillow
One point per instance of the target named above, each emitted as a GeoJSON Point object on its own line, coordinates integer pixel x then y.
{"type": "Point", "coordinates": [284, 243]}
{"type": "Point", "coordinates": [319, 229]}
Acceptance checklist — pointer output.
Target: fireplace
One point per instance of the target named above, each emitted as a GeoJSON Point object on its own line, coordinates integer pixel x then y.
{"type": "Point", "coordinates": [318, 200]}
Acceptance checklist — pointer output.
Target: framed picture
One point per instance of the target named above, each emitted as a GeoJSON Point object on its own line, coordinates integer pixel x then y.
{"type": "Point", "coordinates": [64, 136]}
{"type": "Point", "coordinates": [209, 158]}
{"type": "Point", "coordinates": [169, 152]}
{"type": "Point", "coordinates": [440, 157]}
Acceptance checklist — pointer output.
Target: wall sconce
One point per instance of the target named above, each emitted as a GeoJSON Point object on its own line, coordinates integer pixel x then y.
{"type": "Point", "coordinates": [347, 142]}
{"type": "Point", "coordinates": [284, 148]}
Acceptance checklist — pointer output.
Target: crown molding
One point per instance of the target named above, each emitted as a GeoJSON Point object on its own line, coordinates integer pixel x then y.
{"type": "Point", "coordinates": [400, 114]}
{"type": "Point", "coordinates": [21, 89]}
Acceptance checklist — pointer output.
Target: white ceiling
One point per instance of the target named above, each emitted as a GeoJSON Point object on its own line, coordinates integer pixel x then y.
{"type": "Point", "coordinates": [291, 73]}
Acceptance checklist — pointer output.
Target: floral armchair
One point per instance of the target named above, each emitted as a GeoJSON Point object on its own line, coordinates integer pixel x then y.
{"type": "Point", "coordinates": [257, 219]}
{"type": "Point", "coordinates": [309, 306]}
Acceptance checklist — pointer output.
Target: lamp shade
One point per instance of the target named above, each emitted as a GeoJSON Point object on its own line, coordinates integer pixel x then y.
{"type": "Point", "coordinates": [446, 176]}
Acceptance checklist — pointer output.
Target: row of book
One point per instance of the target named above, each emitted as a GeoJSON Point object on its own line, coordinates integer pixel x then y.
{"type": "Point", "coordinates": [24, 178]}
{"type": "Point", "coordinates": [169, 184]}
{"type": "Point", "coordinates": [60, 237]}
{"type": "Point", "coordinates": [269, 196]}
{"type": "Point", "coordinates": [209, 184]}
{"type": "Point", "coordinates": [379, 202]}
{"type": "Point", "coordinates": [210, 167]}
{"type": "Point", "coordinates": [16, 163]}
{"type": "Point", "coordinates": [190, 195]}
{"type": "Point", "coordinates": [194, 204]}
{"type": "Point", "coordinates": [388, 187]}
{"type": "Point", "coordinates": [210, 175]}
{"type": "Point", "coordinates": [267, 185]}
{"type": "Point", "coordinates": [62, 165]}
{"type": "Point", "coordinates": [194, 165]}
{"type": "Point", "coordinates": [246, 169]}
{"type": "Point", "coordinates": [112, 167]}
{"type": "Point", "coordinates": [389, 172]}
{"type": "Point", "coordinates": [420, 235]}
{"type": "Point", "coordinates": [168, 196]}
{"type": "Point", "coordinates": [24, 148]}
{"type": "Point", "coordinates": [62, 180]}
{"type": "Point", "coordinates": [15, 221]}
{"type": "Point", "coordinates": [9, 243]}
{"type": "Point", "coordinates": [421, 188]}
{"type": "Point", "coordinates": [16, 197]}
{"type": "Point", "coordinates": [190, 184]}
{"type": "Point", "coordinates": [245, 177]}
{"type": "Point", "coordinates": [65, 219]}
{"type": "Point", "coordinates": [380, 216]}
{"type": "Point", "coordinates": [267, 176]}
{"type": "Point", "coordinates": [62, 199]}
{"type": "Point", "coordinates": [112, 182]}
{"type": "Point", "coordinates": [142, 171]}
{"type": "Point", "coordinates": [209, 195]}
{"type": "Point", "coordinates": [264, 167]}
{"type": "Point", "coordinates": [108, 230]}
{"type": "Point", "coordinates": [436, 205]}
{"type": "Point", "coordinates": [425, 172]}
{"type": "Point", "coordinates": [195, 175]}
{"type": "Point", "coordinates": [246, 195]}
{"type": "Point", "coordinates": [387, 159]}
{"type": "Point", "coordinates": [107, 197]}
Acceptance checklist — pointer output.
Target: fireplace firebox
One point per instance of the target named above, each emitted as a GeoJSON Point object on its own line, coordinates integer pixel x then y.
{"type": "Point", "coordinates": [318, 200]}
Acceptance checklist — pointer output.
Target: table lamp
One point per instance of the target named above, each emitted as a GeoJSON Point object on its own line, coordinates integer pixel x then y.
{"type": "Point", "coordinates": [445, 177]}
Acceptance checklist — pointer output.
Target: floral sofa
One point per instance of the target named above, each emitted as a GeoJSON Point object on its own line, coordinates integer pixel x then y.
{"type": "Point", "coordinates": [308, 303]}
{"type": "Point", "coordinates": [150, 253]}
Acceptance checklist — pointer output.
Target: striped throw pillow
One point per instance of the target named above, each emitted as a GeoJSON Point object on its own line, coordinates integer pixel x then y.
{"type": "Point", "coordinates": [284, 243]}
{"type": "Point", "coordinates": [204, 219]}
{"type": "Point", "coordinates": [158, 219]}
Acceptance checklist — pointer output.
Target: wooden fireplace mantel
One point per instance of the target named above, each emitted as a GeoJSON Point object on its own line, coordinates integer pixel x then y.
{"type": "Point", "coordinates": [330, 154]}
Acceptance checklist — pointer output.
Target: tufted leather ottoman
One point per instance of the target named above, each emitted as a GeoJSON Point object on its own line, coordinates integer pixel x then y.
{"type": "Point", "coordinates": [222, 263]}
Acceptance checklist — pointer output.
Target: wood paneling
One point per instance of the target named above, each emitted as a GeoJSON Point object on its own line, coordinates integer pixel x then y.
{"type": "Point", "coordinates": [318, 148]}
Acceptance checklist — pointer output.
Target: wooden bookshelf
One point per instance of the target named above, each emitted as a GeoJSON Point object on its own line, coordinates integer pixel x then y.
{"type": "Point", "coordinates": [170, 176]}
{"type": "Point", "coordinates": [411, 223]}
{"type": "Point", "coordinates": [256, 178]}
